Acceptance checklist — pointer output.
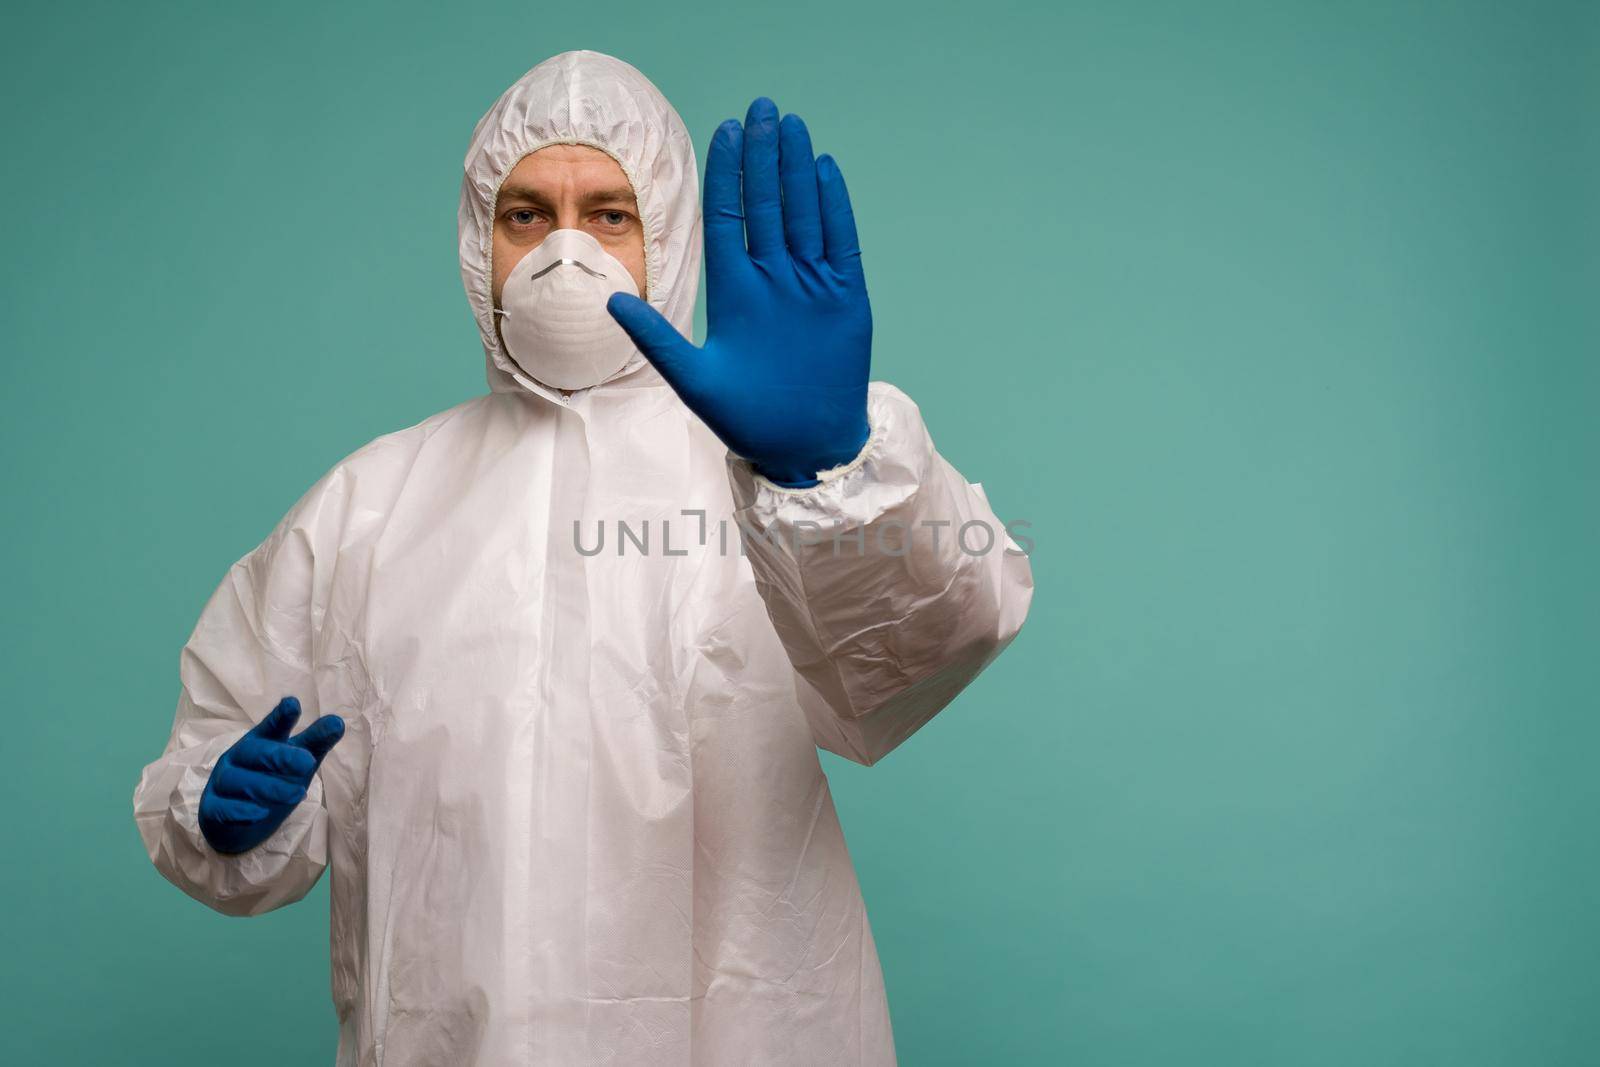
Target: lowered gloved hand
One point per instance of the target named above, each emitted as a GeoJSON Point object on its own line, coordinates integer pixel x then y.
{"type": "Point", "coordinates": [782, 377]}
{"type": "Point", "coordinates": [258, 781]}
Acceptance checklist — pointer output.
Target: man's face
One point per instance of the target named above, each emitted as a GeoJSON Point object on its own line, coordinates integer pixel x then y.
{"type": "Point", "coordinates": [567, 187]}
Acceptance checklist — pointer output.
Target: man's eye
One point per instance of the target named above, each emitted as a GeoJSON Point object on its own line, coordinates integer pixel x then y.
{"type": "Point", "coordinates": [614, 218]}
{"type": "Point", "coordinates": [523, 217]}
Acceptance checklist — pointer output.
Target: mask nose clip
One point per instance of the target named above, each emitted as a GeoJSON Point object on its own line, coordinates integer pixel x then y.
{"type": "Point", "coordinates": [560, 263]}
{"type": "Point", "coordinates": [565, 263]}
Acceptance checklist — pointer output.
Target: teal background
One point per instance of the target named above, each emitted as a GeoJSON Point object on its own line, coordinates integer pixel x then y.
{"type": "Point", "coordinates": [1276, 320]}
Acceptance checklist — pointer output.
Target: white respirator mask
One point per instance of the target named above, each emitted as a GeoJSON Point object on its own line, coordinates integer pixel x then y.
{"type": "Point", "coordinates": [553, 316]}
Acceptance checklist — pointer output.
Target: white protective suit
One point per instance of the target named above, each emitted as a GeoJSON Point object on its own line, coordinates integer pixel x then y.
{"type": "Point", "coordinates": [578, 814]}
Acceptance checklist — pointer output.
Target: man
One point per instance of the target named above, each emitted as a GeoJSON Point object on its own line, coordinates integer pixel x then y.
{"type": "Point", "coordinates": [570, 794]}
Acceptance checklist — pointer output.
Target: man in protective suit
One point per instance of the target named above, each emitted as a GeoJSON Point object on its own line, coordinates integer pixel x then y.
{"type": "Point", "coordinates": [559, 728]}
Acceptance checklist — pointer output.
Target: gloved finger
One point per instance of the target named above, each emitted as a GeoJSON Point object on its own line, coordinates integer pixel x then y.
{"type": "Point", "coordinates": [320, 737]}
{"type": "Point", "coordinates": [763, 204]}
{"type": "Point", "coordinates": [724, 209]}
{"type": "Point", "coordinates": [838, 219]}
{"type": "Point", "coordinates": [279, 721]}
{"type": "Point", "coordinates": [263, 789]}
{"type": "Point", "coordinates": [235, 812]}
{"type": "Point", "coordinates": [275, 757]}
{"type": "Point", "coordinates": [659, 340]}
{"type": "Point", "coordinates": [797, 170]}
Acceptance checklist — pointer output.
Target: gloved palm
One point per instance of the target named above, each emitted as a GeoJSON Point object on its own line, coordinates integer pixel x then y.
{"type": "Point", "coordinates": [258, 781]}
{"type": "Point", "coordinates": [782, 377]}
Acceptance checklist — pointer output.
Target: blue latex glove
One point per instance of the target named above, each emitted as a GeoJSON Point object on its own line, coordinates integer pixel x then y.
{"type": "Point", "coordinates": [782, 377]}
{"type": "Point", "coordinates": [263, 776]}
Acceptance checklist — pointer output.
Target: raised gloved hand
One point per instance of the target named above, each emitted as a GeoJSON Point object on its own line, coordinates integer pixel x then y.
{"type": "Point", "coordinates": [259, 780]}
{"type": "Point", "coordinates": [782, 377]}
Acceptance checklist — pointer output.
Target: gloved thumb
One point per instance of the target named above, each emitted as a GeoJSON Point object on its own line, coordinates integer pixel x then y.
{"type": "Point", "coordinates": [320, 737]}
{"type": "Point", "coordinates": [661, 343]}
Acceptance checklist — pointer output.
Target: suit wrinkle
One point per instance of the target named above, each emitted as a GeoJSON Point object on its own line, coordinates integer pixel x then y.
{"type": "Point", "coordinates": [643, 999]}
{"type": "Point", "coordinates": [820, 789]}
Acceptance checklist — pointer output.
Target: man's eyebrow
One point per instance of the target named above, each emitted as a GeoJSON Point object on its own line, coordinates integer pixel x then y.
{"type": "Point", "coordinates": [523, 192]}
{"type": "Point", "coordinates": [534, 196]}
{"type": "Point", "coordinates": [601, 196]}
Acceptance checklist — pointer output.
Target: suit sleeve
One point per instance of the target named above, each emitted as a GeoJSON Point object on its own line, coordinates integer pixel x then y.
{"type": "Point", "coordinates": [251, 647]}
{"type": "Point", "coordinates": [891, 583]}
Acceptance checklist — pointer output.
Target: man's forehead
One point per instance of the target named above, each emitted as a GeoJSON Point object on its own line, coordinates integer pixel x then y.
{"type": "Point", "coordinates": [559, 170]}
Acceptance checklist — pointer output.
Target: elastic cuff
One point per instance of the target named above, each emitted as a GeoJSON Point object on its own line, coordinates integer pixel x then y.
{"type": "Point", "coordinates": [869, 448]}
